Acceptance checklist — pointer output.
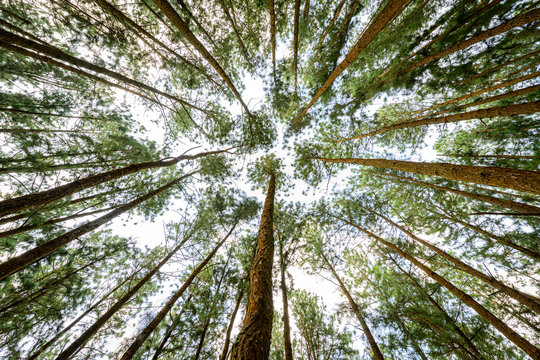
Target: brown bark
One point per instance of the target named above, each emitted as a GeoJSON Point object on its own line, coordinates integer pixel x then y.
{"type": "Point", "coordinates": [12, 39]}
{"type": "Point", "coordinates": [392, 9]}
{"type": "Point", "coordinates": [343, 29]}
{"type": "Point", "coordinates": [519, 20]}
{"type": "Point", "coordinates": [34, 200]}
{"type": "Point", "coordinates": [286, 327]}
{"type": "Point", "coordinates": [508, 332]}
{"type": "Point", "coordinates": [507, 110]}
{"type": "Point", "coordinates": [524, 299]}
{"type": "Point", "coordinates": [253, 341]}
{"type": "Point", "coordinates": [17, 263]}
{"type": "Point", "coordinates": [377, 354]}
{"type": "Point", "coordinates": [513, 157]}
{"type": "Point", "coordinates": [145, 333]}
{"type": "Point", "coordinates": [273, 36]}
{"type": "Point", "coordinates": [235, 30]}
{"type": "Point", "coordinates": [520, 180]}
{"type": "Point", "coordinates": [184, 29]}
{"type": "Point", "coordinates": [306, 10]}
{"type": "Point", "coordinates": [296, 36]}
{"type": "Point", "coordinates": [508, 204]}
{"type": "Point", "coordinates": [336, 15]}
{"type": "Point", "coordinates": [197, 22]}
{"type": "Point", "coordinates": [102, 319]}
{"type": "Point", "coordinates": [225, 351]}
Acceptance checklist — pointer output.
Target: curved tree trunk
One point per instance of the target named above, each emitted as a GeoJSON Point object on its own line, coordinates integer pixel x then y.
{"type": "Point", "coordinates": [145, 333]}
{"type": "Point", "coordinates": [253, 341]}
{"type": "Point", "coordinates": [377, 354]}
{"type": "Point", "coordinates": [508, 332]}
{"type": "Point", "coordinates": [520, 180]}
{"type": "Point", "coordinates": [17, 263]}
{"type": "Point", "coordinates": [392, 9]}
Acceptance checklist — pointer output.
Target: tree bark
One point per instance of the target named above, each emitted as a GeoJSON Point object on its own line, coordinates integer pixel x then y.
{"type": "Point", "coordinates": [336, 15]}
{"type": "Point", "coordinates": [507, 110]}
{"type": "Point", "coordinates": [42, 198]}
{"type": "Point", "coordinates": [225, 351]}
{"type": "Point", "coordinates": [273, 36]}
{"type": "Point", "coordinates": [377, 354]}
{"type": "Point", "coordinates": [286, 326]}
{"type": "Point", "coordinates": [235, 30]}
{"type": "Point", "coordinates": [184, 29]}
{"type": "Point", "coordinates": [102, 319]}
{"type": "Point", "coordinates": [17, 263]}
{"type": "Point", "coordinates": [522, 298]}
{"type": "Point", "coordinates": [520, 180]}
{"type": "Point", "coordinates": [145, 333]}
{"type": "Point", "coordinates": [253, 341]}
{"type": "Point", "coordinates": [508, 204]}
{"type": "Point", "coordinates": [392, 9]}
{"type": "Point", "coordinates": [508, 332]}
{"type": "Point", "coordinates": [512, 157]}
{"type": "Point", "coordinates": [295, 41]}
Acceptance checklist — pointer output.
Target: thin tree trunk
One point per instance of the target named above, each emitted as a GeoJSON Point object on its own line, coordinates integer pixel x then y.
{"type": "Point", "coordinates": [253, 341]}
{"type": "Point", "coordinates": [336, 15]}
{"type": "Point", "coordinates": [513, 157]}
{"type": "Point", "coordinates": [145, 333]}
{"type": "Point", "coordinates": [507, 110]}
{"type": "Point", "coordinates": [520, 180]}
{"type": "Point", "coordinates": [522, 298]}
{"type": "Point", "coordinates": [17, 263]}
{"type": "Point", "coordinates": [197, 22]}
{"type": "Point", "coordinates": [342, 31]}
{"type": "Point", "coordinates": [377, 354]}
{"type": "Point", "coordinates": [273, 36]}
{"type": "Point", "coordinates": [238, 37]}
{"type": "Point", "coordinates": [102, 319]}
{"type": "Point", "coordinates": [42, 198]}
{"type": "Point", "coordinates": [45, 346]}
{"type": "Point", "coordinates": [392, 9]}
{"type": "Point", "coordinates": [508, 332]}
{"type": "Point", "coordinates": [296, 35]}
{"type": "Point", "coordinates": [286, 326]}
{"type": "Point", "coordinates": [508, 204]}
{"type": "Point", "coordinates": [305, 12]}
{"type": "Point", "coordinates": [448, 318]}
{"type": "Point", "coordinates": [183, 27]}
{"type": "Point", "coordinates": [225, 351]}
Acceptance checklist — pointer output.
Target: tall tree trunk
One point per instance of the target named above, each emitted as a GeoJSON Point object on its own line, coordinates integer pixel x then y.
{"type": "Point", "coordinates": [512, 157]}
{"type": "Point", "coordinates": [42, 198]}
{"type": "Point", "coordinates": [508, 204]}
{"type": "Point", "coordinates": [507, 110]}
{"type": "Point", "coordinates": [377, 354]}
{"type": "Point", "coordinates": [7, 37]}
{"type": "Point", "coordinates": [253, 341]}
{"type": "Point", "coordinates": [102, 319]}
{"type": "Point", "coordinates": [447, 317]}
{"type": "Point", "coordinates": [296, 35]}
{"type": "Point", "coordinates": [286, 326]}
{"type": "Point", "coordinates": [305, 12]}
{"type": "Point", "coordinates": [524, 299]}
{"type": "Point", "coordinates": [184, 29]}
{"type": "Point", "coordinates": [197, 22]}
{"type": "Point", "coordinates": [17, 263]}
{"type": "Point", "coordinates": [321, 41]}
{"type": "Point", "coordinates": [508, 332]}
{"type": "Point", "coordinates": [520, 180]}
{"type": "Point", "coordinates": [392, 9]}
{"type": "Point", "coordinates": [55, 338]}
{"type": "Point", "coordinates": [342, 31]}
{"type": "Point", "coordinates": [145, 333]}
{"type": "Point", "coordinates": [235, 30]}
{"type": "Point", "coordinates": [225, 351]}
{"type": "Point", "coordinates": [273, 36]}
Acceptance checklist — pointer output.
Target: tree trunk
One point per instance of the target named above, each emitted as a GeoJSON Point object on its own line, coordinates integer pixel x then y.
{"type": "Point", "coordinates": [295, 41]}
{"type": "Point", "coordinates": [336, 15]}
{"type": "Point", "coordinates": [102, 319]}
{"type": "Point", "coordinates": [42, 198]}
{"type": "Point", "coordinates": [306, 10]}
{"type": "Point", "coordinates": [145, 333]}
{"type": "Point", "coordinates": [522, 298]}
{"type": "Point", "coordinates": [17, 263]}
{"type": "Point", "coordinates": [273, 36]}
{"type": "Point", "coordinates": [520, 180]}
{"type": "Point", "coordinates": [253, 341]}
{"type": "Point", "coordinates": [377, 354]}
{"type": "Point", "coordinates": [507, 110]}
{"type": "Point", "coordinates": [508, 332]}
{"type": "Point", "coordinates": [235, 30]}
{"type": "Point", "coordinates": [184, 29]}
{"type": "Point", "coordinates": [392, 9]}
{"type": "Point", "coordinates": [286, 326]}
{"type": "Point", "coordinates": [512, 157]}
{"type": "Point", "coordinates": [343, 29]}
{"type": "Point", "coordinates": [225, 351]}
{"type": "Point", "coordinates": [508, 204]}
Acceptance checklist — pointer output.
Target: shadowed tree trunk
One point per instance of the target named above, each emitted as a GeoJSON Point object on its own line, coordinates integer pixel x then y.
{"type": "Point", "coordinates": [508, 332]}
{"type": "Point", "coordinates": [520, 180]}
{"type": "Point", "coordinates": [392, 9]}
{"type": "Point", "coordinates": [145, 333]}
{"type": "Point", "coordinates": [225, 351]}
{"type": "Point", "coordinates": [286, 326]}
{"type": "Point", "coordinates": [365, 328]}
{"type": "Point", "coordinates": [253, 341]}
{"type": "Point", "coordinates": [17, 263]}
